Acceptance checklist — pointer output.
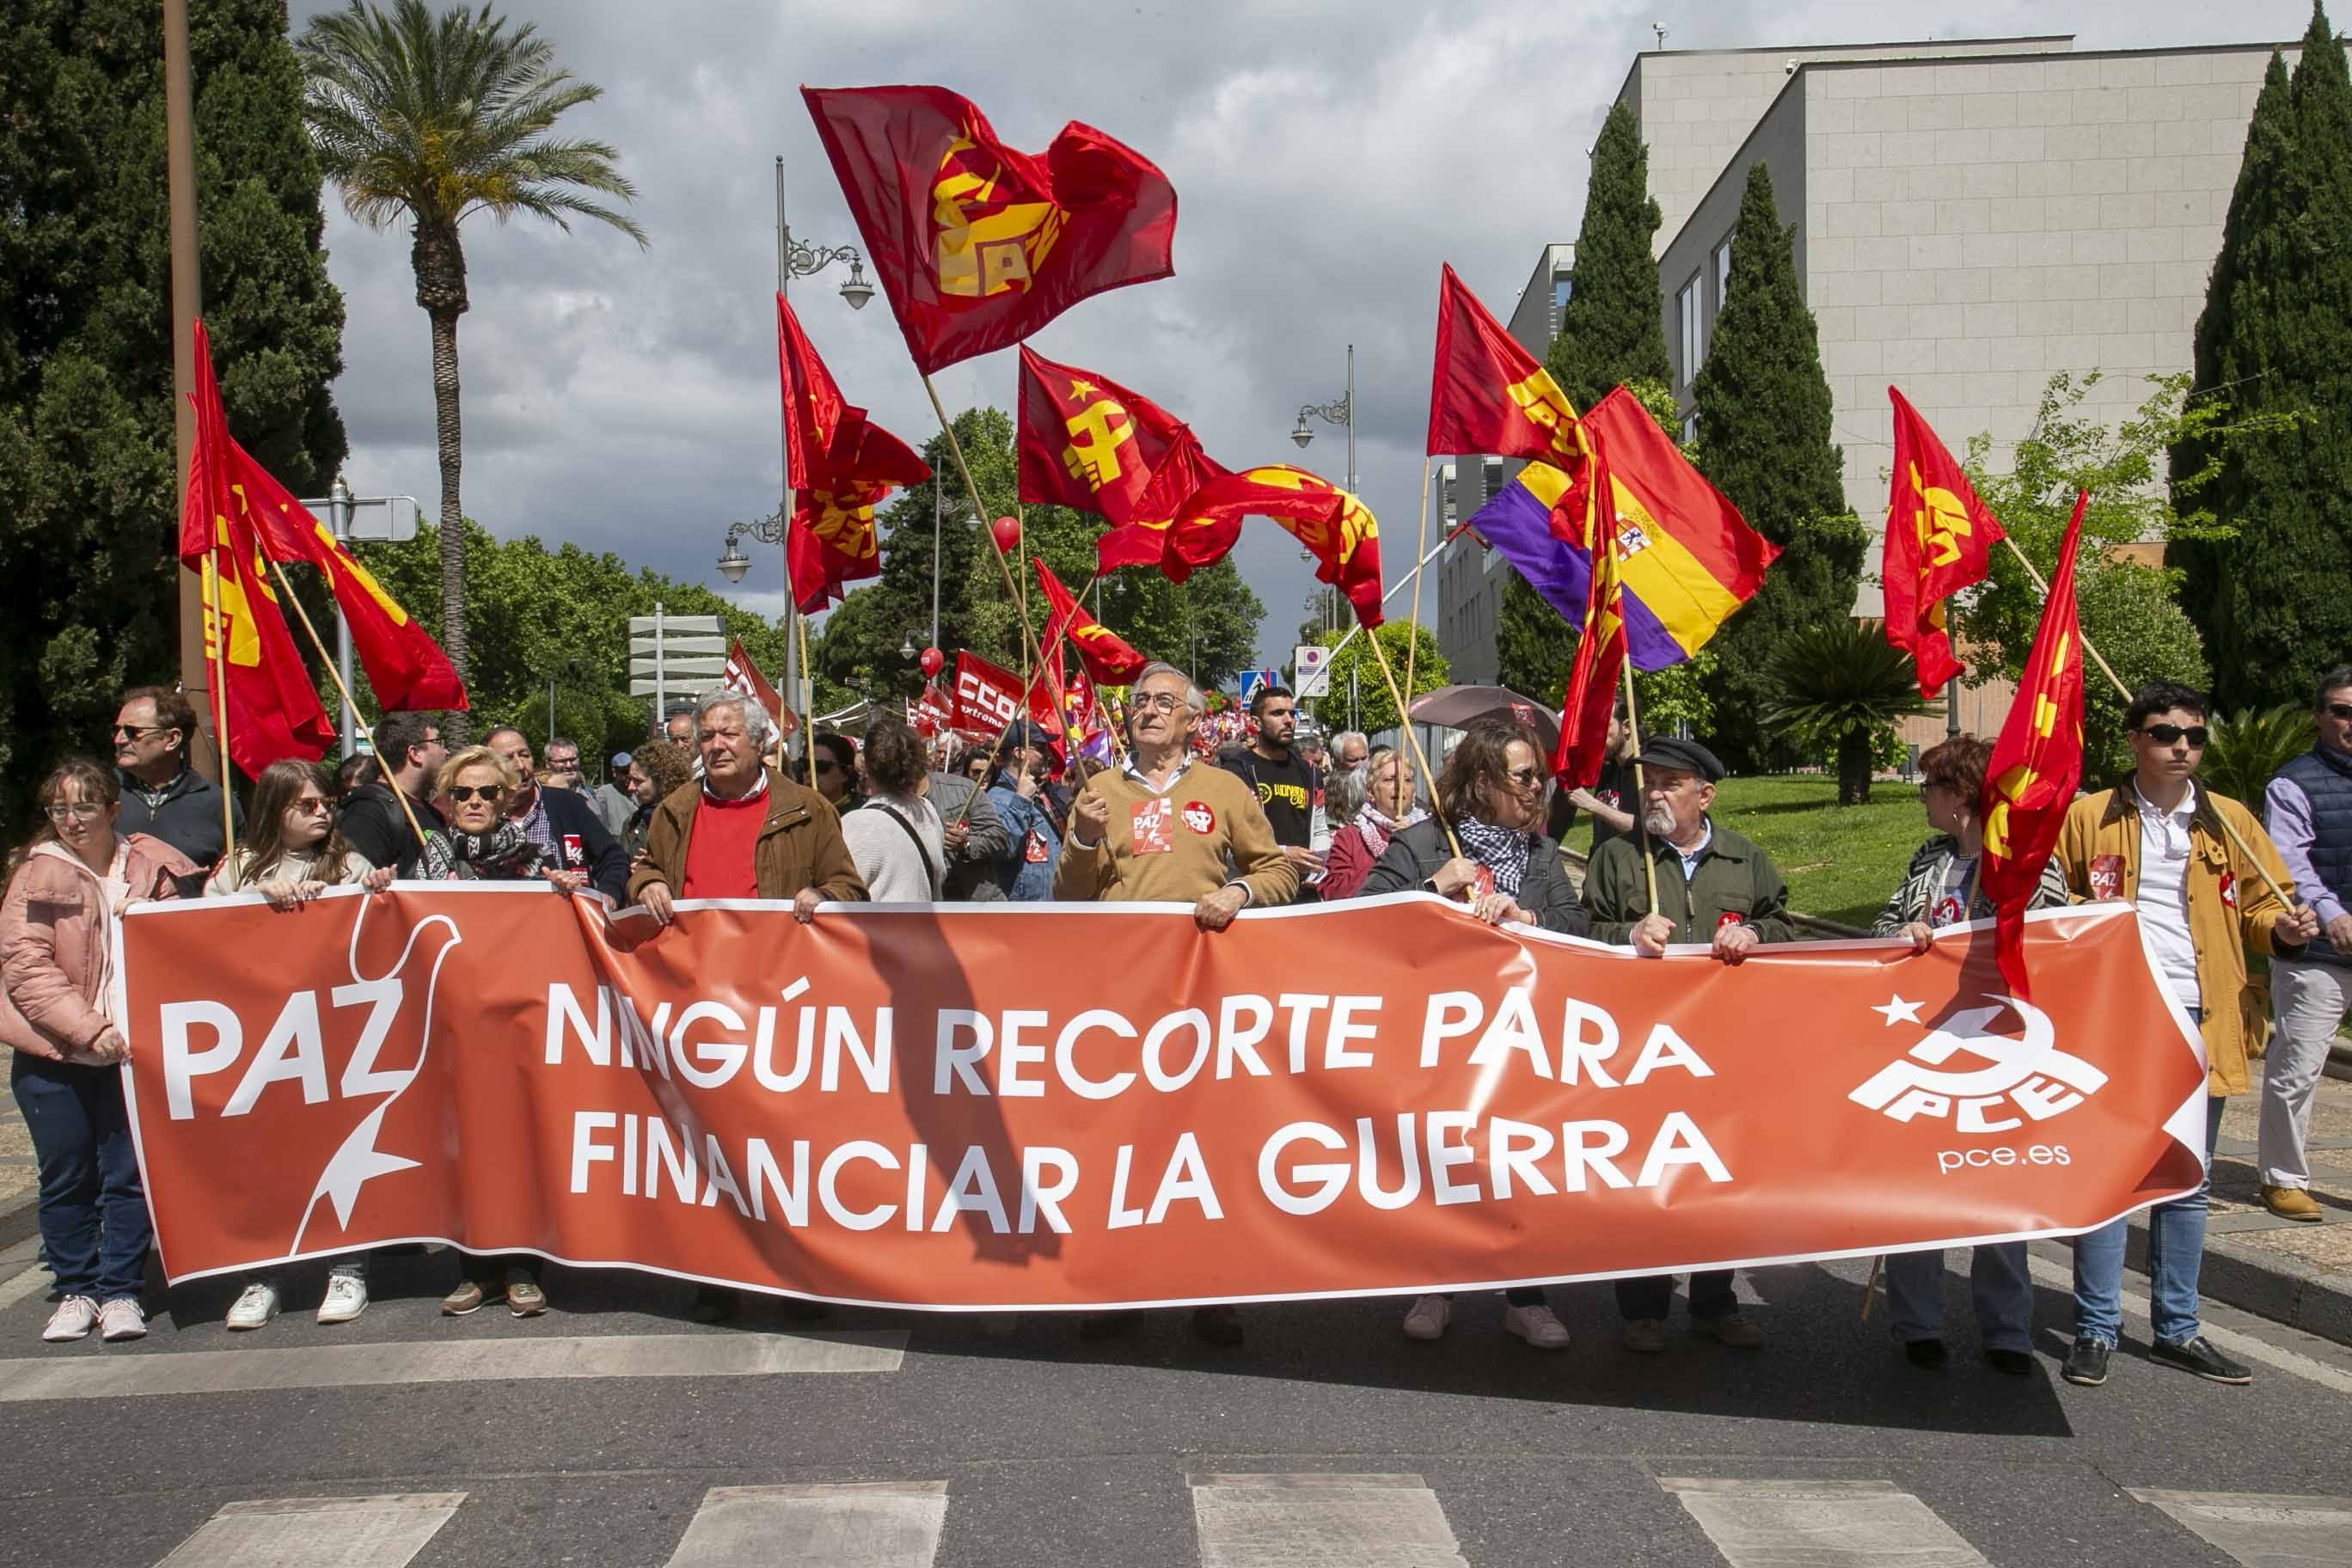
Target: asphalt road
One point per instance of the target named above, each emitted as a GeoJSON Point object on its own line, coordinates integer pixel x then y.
{"type": "Point", "coordinates": [614, 1431]}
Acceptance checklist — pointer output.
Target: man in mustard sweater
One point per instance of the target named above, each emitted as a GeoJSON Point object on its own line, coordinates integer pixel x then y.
{"type": "Point", "coordinates": [1166, 827]}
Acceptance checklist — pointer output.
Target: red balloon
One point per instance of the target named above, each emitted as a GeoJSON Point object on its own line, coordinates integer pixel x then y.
{"type": "Point", "coordinates": [931, 661]}
{"type": "Point", "coordinates": [1008, 534]}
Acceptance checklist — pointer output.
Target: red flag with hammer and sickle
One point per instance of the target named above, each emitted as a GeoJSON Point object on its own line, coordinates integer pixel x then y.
{"type": "Point", "coordinates": [978, 244]}
{"type": "Point", "coordinates": [1105, 657]}
{"type": "Point", "coordinates": [1487, 394]}
{"type": "Point", "coordinates": [1939, 539]}
{"type": "Point", "coordinates": [1088, 443]}
{"type": "Point", "coordinates": [841, 467]}
{"type": "Point", "coordinates": [1335, 527]}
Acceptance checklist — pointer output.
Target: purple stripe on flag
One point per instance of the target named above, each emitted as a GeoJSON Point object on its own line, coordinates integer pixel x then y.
{"type": "Point", "coordinates": [1519, 524]}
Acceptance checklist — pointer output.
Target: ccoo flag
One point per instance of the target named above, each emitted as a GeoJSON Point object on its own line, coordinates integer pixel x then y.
{"type": "Point", "coordinates": [1333, 525]}
{"type": "Point", "coordinates": [1939, 539]}
{"type": "Point", "coordinates": [1487, 394]}
{"type": "Point", "coordinates": [1088, 442]}
{"type": "Point", "coordinates": [1105, 658]}
{"type": "Point", "coordinates": [977, 244]}
{"type": "Point", "coordinates": [2035, 767]}
{"type": "Point", "coordinates": [1686, 559]}
{"type": "Point", "coordinates": [273, 709]}
{"type": "Point", "coordinates": [842, 466]}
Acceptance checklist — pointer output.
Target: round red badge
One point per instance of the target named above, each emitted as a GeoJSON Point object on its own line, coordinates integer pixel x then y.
{"type": "Point", "coordinates": [1199, 817]}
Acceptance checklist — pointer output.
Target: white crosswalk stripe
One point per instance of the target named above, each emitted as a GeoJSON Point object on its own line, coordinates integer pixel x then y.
{"type": "Point", "coordinates": [2263, 1531]}
{"type": "Point", "coordinates": [1320, 1521]}
{"type": "Point", "coordinates": [318, 1532]}
{"type": "Point", "coordinates": [1821, 1525]}
{"type": "Point", "coordinates": [880, 1524]}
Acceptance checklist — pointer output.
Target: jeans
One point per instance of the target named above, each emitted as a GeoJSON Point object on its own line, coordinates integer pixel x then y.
{"type": "Point", "coordinates": [2308, 1001]}
{"type": "Point", "coordinates": [1648, 1296]}
{"type": "Point", "coordinates": [2176, 1251]}
{"type": "Point", "coordinates": [1998, 1283]}
{"type": "Point", "coordinates": [94, 1226]}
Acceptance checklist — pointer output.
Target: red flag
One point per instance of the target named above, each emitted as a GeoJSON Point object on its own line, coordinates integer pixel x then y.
{"type": "Point", "coordinates": [1487, 394]}
{"type": "Point", "coordinates": [1333, 525]}
{"type": "Point", "coordinates": [841, 467]}
{"type": "Point", "coordinates": [2036, 764]}
{"type": "Point", "coordinates": [977, 244]}
{"type": "Point", "coordinates": [741, 675]}
{"type": "Point", "coordinates": [273, 709]}
{"type": "Point", "coordinates": [1939, 539]}
{"type": "Point", "coordinates": [1591, 694]}
{"type": "Point", "coordinates": [1105, 656]}
{"type": "Point", "coordinates": [1090, 443]}
{"type": "Point", "coordinates": [930, 712]}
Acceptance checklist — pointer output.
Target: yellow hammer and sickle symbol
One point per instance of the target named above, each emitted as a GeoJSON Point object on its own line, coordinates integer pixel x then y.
{"type": "Point", "coordinates": [1941, 521]}
{"type": "Point", "coordinates": [994, 252]}
{"type": "Point", "coordinates": [1095, 459]}
{"type": "Point", "coordinates": [2010, 787]}
{"type": "Point", "coordinates": [1542, 400]}
{"type": "Point", "coordinates": [350, 564]}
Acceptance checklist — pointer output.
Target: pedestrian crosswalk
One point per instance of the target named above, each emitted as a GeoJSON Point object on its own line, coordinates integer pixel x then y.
{"type": "Point", "coordinates": [1264, 1520]}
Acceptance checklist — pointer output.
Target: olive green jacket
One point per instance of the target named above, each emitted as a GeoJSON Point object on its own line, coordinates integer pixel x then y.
{"type": "Point", "coordinates": [1733, 878]}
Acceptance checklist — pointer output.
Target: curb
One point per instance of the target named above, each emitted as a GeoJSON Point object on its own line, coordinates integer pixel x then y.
{"type": "Point", "coordinates": [2283, 1288]}
{"type": "Point", "coordinates": [19, 1219]}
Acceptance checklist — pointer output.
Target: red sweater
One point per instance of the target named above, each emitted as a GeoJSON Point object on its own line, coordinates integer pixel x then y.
{"type": "Point", "coordinates": [719, 849]}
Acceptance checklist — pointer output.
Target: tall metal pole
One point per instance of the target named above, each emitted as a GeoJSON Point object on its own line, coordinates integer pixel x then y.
{"type": "Point", "coordinates": [187, 302]}
{"type": "Point", "coordinates": [784, 513]}
{"type": "Point", "coordinates": [339, 518]}
{"type": "Point", "coordinates": [1350, 400]}
{"type": "Point", "coordinates": [935, 561]}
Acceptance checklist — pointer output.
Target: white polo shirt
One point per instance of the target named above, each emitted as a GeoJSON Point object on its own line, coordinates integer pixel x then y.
{"type": "Point", "coordinates": [2164, 855]}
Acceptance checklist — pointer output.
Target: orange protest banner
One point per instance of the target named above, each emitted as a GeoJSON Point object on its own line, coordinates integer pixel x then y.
{"type": "Point", "coordinates": [912, 1108]}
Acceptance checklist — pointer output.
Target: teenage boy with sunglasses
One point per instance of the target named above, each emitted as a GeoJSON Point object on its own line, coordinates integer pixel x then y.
{"type": "Point", "coordinates": [2173, 850]}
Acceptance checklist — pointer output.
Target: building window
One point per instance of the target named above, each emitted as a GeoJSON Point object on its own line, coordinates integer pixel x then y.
{"type": "Point", "coordinates": [1722, 271]}
{"type": "Point", "coordinates": [1690, 427]}
{"type": "Point", "coordinates": [1560, 287]}
{"type": "Point", "coordinates": [1686, 308]}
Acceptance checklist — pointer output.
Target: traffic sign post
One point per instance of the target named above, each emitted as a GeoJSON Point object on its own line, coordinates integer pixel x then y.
{"type": "Point", "coordinates": [1312, 661]}
{"type": "Point", "coordinates": [382, 519]}
{"type": "Point", "coordinates": [690, 650]}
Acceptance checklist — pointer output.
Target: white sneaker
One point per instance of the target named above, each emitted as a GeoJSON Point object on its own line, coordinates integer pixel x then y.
{"type": "Point", "coordinates": [1428, 1318]}
{"type": "Point", "coordinates": [121, 1319]}
{"type": "Point", "coordinates": [346, 1298]}
{"type": "Point", "coordinates": [73, 1320]}
{"type": "Point", "coordinates": [255, 1305]}
{"type": "Point", "coordinates": [1537, 1326]}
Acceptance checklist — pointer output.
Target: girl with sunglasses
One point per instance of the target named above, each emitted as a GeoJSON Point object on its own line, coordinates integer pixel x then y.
{"type": "Point", "coordinates": [291, 852]}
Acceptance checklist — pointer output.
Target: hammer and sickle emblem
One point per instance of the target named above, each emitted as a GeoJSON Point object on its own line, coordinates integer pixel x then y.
{"type": "Point", "coordinates": [1093, 452]}
{"type": "Point", "coordinates": [1941, 521]}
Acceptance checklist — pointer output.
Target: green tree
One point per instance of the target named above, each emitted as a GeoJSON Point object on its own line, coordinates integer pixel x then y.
{"type": "Point", "coordinates": [427, 120]}
{"type": "Point", "coordinates": [1612, 328]}
{"type": "Point", "coordinates": [1840, 686]}
{"type": "Point", "coordinates": [88, 501]}
{"type": "Point", "coordinates": [1764, 441]}
{"type": "Point", "coordinates": [1375, 710]}
{"type": "Point", "coordinates": [2124, 606]}
{"type": "Point", "coordinates": [2275, 337]}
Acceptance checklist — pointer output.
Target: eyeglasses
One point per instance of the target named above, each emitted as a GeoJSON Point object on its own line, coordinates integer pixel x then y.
{"type": "Point", "coordinates": [2339, 710]}
{"type": "Point", "coordinates": [1523, 778]}
{"type": "Point", "coordinates": [826, 765]}
{"type": "Point", "coordinates": [1155, 702]}
{"type": "Point", "coordinates": [463, 792]}
{"type": "Point", "coordinates": [135, 731]}
{"type": "Point", "coordinates": [77, 811]}
{"type": "Point", "coordinates": [311, 804]}
{"type": "Point", "coordinates": [2170, 735]}
{"type": "Point", "coordinates": [1928, 786]}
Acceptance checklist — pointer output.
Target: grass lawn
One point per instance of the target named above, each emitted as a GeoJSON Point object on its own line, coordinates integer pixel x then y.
{"type": "Point", "coordinates": [1841, 863]}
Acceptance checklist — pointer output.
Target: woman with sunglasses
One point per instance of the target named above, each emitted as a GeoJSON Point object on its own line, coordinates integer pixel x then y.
{"type": "Point", "coordinates": [1942, 889]}
{"type": "Point", "coordinates": [1490, 793]}
{"type": "Point", "coordinates": [290, 855]}
{"type": "Point", "coordinates": [66, 888]}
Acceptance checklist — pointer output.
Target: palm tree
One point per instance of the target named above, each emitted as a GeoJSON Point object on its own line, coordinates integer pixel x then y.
{"type": "Point", "coordinates": [431, 119]}
{"type": "Point", "coordinates": [1842, 686]}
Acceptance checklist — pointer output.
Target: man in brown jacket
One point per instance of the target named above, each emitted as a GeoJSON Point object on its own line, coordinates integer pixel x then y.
{"type": "Point", "coordinates": [2199, 869]}
{"type": "Point", "coordinates": [743, 831]}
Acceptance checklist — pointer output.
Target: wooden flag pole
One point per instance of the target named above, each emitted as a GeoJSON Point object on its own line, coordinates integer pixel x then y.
{"type": "Point", "coordinates": [217, 635]}
{"type": "Point", "coordinates": [2235, 837]}
{"type": "Point", "coordinates": [1411, 735]}
{"type": "Point", "coordinates": [980, 515]}
{"type": "Point", "coordinates": [1419, 543]}
{"type": "Point", "coordinates": [808, 716]}
{"type": "Point", "coordinates": [1641, 788]}
{"type": "Point", "coordinates": [334, 673]}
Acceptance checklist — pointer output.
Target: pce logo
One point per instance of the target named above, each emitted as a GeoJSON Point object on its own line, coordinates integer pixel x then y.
{"type": "Point", "coordinates": [2030, 1075]}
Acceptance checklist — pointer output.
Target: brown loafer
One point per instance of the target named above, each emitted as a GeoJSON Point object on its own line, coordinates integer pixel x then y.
{"type": "Point", "coordinates": [2292, 1203]}
{"type": "Point", "coordinates": [525, 1298]}
{"type": "Point", "coordinates": [472, 1296]}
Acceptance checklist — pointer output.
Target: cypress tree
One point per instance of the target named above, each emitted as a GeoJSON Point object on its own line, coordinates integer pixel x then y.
{"type": "Point", "coordinates": [2275, 337]}
{"type": "Point", "coordinates": [89, 505]}
{"type": "Point", "coordinates": [1613, 328]}
{"type": "Point", "coordinates": [1764, 440]}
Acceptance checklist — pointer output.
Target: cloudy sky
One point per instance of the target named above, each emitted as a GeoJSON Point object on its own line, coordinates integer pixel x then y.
{"type": "Point", "coordinates": [1327, 154]}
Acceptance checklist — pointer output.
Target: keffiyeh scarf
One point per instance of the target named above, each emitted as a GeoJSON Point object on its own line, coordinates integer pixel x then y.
{"type": "Point", "coordinates": [1376, 826]}
{"type": "Point", "coordinates": [1502, 850]}
{"type": "Point", "coordinates": [505, 854]}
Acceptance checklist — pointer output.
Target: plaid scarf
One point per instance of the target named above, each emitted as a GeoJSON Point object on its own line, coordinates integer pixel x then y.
{"type": "Point", "coordinates": [503, 854]}
{"type": "Point", "coordinates": [1502, 850]}
{"type": "Point", "coordinates": [1376, 826]}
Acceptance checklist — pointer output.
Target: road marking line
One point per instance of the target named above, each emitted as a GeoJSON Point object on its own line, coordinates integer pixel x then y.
{"type": "Point", "coordinates": [1783, 1523]}
{"type": "Point", "coordinates": [34, 1281]}
{"type": "Point", "coordinates": [2059, 1277]}
{"type": "Point", "coordinates": [881, 1524]}
{"type": "Point", "coordinates": [71, 1377]}
{"type": "Point", "coordinates": [2260, 1529]}
{"type": "Point", "coordinates": [318, 1532]}
{"type": "Point", "coordinates": [1322, 1522]}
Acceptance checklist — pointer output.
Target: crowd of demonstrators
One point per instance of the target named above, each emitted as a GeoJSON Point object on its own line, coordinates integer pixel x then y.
{"type": "Point", "coordinates": [974, 765]}
{"type": "Point", "coordinates": [1032, 840]}
{"type": "Point", "coordinates": [2308, 809]}
{"type": "Point", "coordinates": [67, 887]}
{"type": "Point", "coordinates": [974, 836]}
{"type": "Point", "coordinates": [1371, 804]}
{"type": "Point", "coordinates": [896, 839]}
{"type": "Point", "coordinates": [559, 821]}
{"type": "Point", "coordinates": [162, 795]}
{"type": "Point", "coordinates": [371, 818]}
{"type": "Point", "coordinates": [1941, 888]}
{"type": "Point", "coordinates": [1489, 801]}
{"type": "Point", "coordinates": [2173, 851]}
{"type": "Point", "coordinates": [1350, 750]}
{"type": "Point", "coordinates": [1286, 784]}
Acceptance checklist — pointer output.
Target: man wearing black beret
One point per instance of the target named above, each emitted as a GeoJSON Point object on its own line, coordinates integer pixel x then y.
{"type": "Point", "coordinates": [1714, 886]}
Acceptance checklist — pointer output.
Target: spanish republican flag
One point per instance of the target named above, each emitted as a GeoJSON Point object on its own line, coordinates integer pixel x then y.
{"type": "Point", "coordinates": [1602, 650]}
{"type": "Point", "coordinates": [273, 709]}
{"type": "Point", "coordinates": [2036, 764]}
{"type": "Point", "coordinates": [977, 244]}
{"type": "Point", "coordinates": [841, 468]}
{"type": "Point", "coordinates": [1333, 525]}
{"type": "Point", "coordinates": [1939, 539]}
{"type": "Point", "coordinates": [1105, 657]}
{"type": "Point", "coordinates": [1088, 443]}
{"type": "Point", "coordinates": [1487, 394]}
